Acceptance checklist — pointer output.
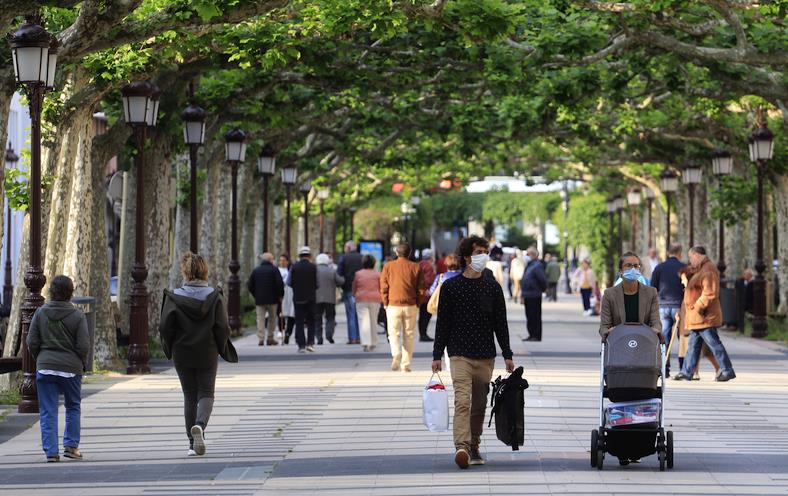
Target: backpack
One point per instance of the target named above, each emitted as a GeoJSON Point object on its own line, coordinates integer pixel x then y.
{"type": "Point", "coordinates": [508, 408]}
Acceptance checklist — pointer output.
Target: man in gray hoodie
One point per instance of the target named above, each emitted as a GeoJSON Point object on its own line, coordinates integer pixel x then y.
{"type": "Point", "coordinates": [58, 339]}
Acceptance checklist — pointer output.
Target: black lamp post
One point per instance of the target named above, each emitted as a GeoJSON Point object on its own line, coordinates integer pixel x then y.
{"type": "Point", "coordinates": [140, 110]}
{"type": "Point", "coordinates": [761, 143]}
{"type": "Point", "coordinates": [34, 53]}
{"type": "Point", "coordinates": [266, 164]}
{"type": "Point", "coordinates": [611, 210]}
{"type": "Point", "coordinates": [669, 182]}
{"type": "Point", "coordinates": [352, 222]}
{"type": "Point", "coordinates": [691, 176]}
{"type": "Point", "coordinates": [633, 199]}
{"type": "Point", "coordinates": [405, 208]}
{"type": "Point", "coordinates": [620, 210]}
{"type": "Point", "coordinates": [415, 201]}
{"type": "Point", "coordinates": [722, 165]}
{"type": "Point", "coordinates": [11, 159]}
{"type": "Point", "coordinates": [235, 154]}
{"type": "Point", "coordinates": [565, 201]}
{"type": "Point", "coordinates": [322, 196]}
{"type": "Point", "coordinates": [289, 176]}
{"type": "Point", "coordinates": [649, 206]}
{"type": "Point", "coordinates": [305, 188]}
{"type": "Point", "coordinates": [194, 137]}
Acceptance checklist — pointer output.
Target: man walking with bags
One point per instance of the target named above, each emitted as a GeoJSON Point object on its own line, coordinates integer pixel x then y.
{"type": "Point", "coordinates": [266, 286]}
{"type": "Point", "coordinates": [471, 315]}
{"type": "Point", "coordinates": [401, 284]}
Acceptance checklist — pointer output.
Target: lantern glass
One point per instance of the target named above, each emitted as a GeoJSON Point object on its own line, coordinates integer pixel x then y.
{"type": "Point", "coordinates": [322, 194]}
{"type": "Point", "coordinates": [764, 148]}
{"type": "Point", "coordinates": [194, 132]}
{"type": "Point", "coordinates": [51, 66]}
{"type": "Point", "coordinates": [289, 175]}
{"type": "Point", "coordinates": [633, 197]}
{"type": "Point", "coordinates": [31, 63]}
{"type": "Point", "coordinates": [152, 112]}
{"type": "Point", "coordinates": [692, 175]}
{"type": "Point", "coordinates": [620, 203]}
{"type": "Point", "coordinates": [306, 186]}
{"type": "Point", "coordinates": [415, 200]}
{"type": "Point", "coordinates": [611, 206]}
{"type": "Point", "coordinates": [135, 109]}
{"type": "Point", "coordinates": [266, 165]}
{"type": "Point", "coordinates": [722, 165]}
{"type": "Point", "coordinates": [649, 193]}
{"type": "Point", "coordinates": [235, 151]}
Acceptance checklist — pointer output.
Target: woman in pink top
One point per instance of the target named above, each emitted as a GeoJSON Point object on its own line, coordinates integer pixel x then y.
{"type": "Point", "coordinates": [366, 290]}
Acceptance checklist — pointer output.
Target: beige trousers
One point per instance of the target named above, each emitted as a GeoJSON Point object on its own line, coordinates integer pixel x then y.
{"type": "Point", "coordinates": [401, 329]}
{"type": "Point", "coordinates": [272, 319]}
{"type": "Point", "coordinates": [368, 322]}
{"type": "Point", "coordinates": [470, 379]}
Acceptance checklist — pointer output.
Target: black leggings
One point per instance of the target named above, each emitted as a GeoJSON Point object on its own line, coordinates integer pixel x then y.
{"type": "Point", "coordinates": [198, 386]}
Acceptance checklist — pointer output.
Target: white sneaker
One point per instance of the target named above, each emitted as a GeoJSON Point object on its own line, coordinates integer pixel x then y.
{"type": "Point", "coordinates": [199, 440]}
{"type": "Point", "coordinates": [310, 348]}
{"type": "Point", "coordinates": [191, 452]}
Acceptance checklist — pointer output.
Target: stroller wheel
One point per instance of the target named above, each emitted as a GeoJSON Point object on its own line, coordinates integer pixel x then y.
{"type": "Point", "coordinates": [669, 450]}
{"type": "Point", "coordinates": [600, 459]}
{"type": "Point", "coordinates": [662, 457]}
{"type": "Point", "coordinates": [594, 446]}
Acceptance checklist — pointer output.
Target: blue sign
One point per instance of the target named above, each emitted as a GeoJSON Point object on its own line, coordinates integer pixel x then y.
{"type": "Point", "coordinates": [375, 248]}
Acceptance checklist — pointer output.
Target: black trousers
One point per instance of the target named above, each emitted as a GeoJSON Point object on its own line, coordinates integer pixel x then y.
{"type": "Point", "coordinates": [198, 387]}
{"type": "Point", "coordinates": [305, 314]}
{"type": "Point", "coordinates": [552, 291]}
{"type": "Point", "coordinates": [330, 311]}
{"type": "Point", "coordinates": [424, 320]}
{"type": "Point", "coordinates": [533, 316]}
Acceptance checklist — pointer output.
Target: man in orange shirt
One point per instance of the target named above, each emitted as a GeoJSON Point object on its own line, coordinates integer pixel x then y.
{"type": "Point", "coordinates": [401, 284]}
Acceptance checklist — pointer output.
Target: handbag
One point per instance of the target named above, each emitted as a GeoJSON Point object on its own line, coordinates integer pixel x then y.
{"type": "Point", "coordinates": [432, 305]}
{"type": "Point", "coordinates": [435, 405]}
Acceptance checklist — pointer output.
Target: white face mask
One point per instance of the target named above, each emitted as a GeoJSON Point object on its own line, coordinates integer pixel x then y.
{"type": "Point", "coordinates": [478, 262]}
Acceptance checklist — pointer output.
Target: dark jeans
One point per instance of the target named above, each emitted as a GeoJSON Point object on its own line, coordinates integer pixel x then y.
{"type": "Point", "coordinates": [533, 316]}
{"type": "Point", "coordinates": [667, 315]}
{"type": "Point", "coordinates": [330, 311]}
{"type": "Point", "coordinates": [552, 291]}
{"type": "Point", "coordinates": [49, 388]}
{"type": "Point", "coordinates": [198, 386]}
{"type": "Point", "coordinates": [712, 340]}
{"type": "Point", "coordinates": [305, 314]}
{"type": "Point", "coordinates": [585, 293]}
{"type": "Point", "coordinates": [424, 320]}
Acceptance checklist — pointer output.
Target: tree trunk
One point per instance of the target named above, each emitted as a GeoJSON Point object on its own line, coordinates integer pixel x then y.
{"type": "Point", "coordinates": [781, 217]}
{"type": "Point", "coordinates": [126, 258]}
{"type": "Point", "coordinates": [12, 343]}
{"type": "Point", "coordinates": [182, 228]}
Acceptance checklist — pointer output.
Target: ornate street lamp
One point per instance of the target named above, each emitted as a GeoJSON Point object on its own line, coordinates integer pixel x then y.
{"type": "Point", "coordinates": [649, 206]}
{"type": "Point", "coordinates": [289, 176]}
{"type": "Point", "coordinates": [633, 199]}
{"type": "Point", "coordinates": [138, 112]}
{"type": "Point", "coordinates": [194, 137]}
{"type": "Point", "coordinates": [11, 159]}
{"type": "Point", "coordinates": [405, 209]}
{"type": "Point", "coordinates": [691, 175]}
{"type": "Point", "coordinates": [722, 165]}
{"type": "Point", "coordinates": [565, 200]}
{"type": "Point", "coordinates": [669, 182]}
{"type": "Point", "coordinates": [322, 196]}
{"type": "Point", "coordinates": [235, 154]}
{"type": "Point", "coordinates": [34, 54]}
{"type": "Point", "coordinates": [305, 188]}
{"type": "Point", "coordinates": [761, 151]}
{"type": "Point", "coordinates": [612, 207]}
{"type": "Point", "coordinates": [415, 200]}
{"type": "Point", "coordinates": [266, 164]}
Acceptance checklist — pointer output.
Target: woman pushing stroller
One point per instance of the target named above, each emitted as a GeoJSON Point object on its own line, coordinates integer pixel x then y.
{"type": "Point", "coordinates": [629, 302]}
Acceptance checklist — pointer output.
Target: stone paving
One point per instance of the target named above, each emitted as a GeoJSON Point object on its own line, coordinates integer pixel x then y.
{"type": "Point", "coordinates": [339, 422]}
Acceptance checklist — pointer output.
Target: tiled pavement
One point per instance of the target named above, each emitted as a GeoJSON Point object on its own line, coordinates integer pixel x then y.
{"type": "Point", "coordinates": [338, 422]}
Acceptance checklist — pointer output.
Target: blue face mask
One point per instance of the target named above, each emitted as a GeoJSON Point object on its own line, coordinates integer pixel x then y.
{"type": "Point", "coordinates": [631, 274]}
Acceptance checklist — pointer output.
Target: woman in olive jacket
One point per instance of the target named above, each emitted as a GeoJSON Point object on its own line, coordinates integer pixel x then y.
{"type": "Point", "coordinates": [194, 333]}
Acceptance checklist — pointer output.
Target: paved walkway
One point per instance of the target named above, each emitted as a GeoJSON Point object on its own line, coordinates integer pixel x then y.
{"type": "Point", "coordinates": [339, 422]}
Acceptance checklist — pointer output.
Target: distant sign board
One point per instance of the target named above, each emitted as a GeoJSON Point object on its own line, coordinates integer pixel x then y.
{"type": "Point", "coordinates": [373, 247]}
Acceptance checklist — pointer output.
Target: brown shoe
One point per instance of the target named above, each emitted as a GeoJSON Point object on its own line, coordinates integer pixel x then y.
{"type": "Point", "coordinates": [260, 343]}
{"type": "Point", "coordinates": [407, 369]}
{"type": "Point", "coordinates": [72, 453]}
{"type": "Point", "coordinates": [462, 458]}
{"type": "Point", "coordinates": [272, 342]}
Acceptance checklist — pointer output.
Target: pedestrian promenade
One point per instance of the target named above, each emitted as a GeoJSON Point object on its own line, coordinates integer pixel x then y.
{"type": "Point", "coordinates": [339, 422]}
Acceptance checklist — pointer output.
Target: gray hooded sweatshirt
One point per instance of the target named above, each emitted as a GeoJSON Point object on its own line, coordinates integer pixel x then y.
{"type": "Point", "coordinates": [58, 338]}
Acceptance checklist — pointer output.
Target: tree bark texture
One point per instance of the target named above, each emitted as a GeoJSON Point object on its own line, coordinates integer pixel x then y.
{"type": "Point", "coordinates": [129, 229]}
{"type": "Point", "coordinates": [182, 228]}
{"type": "Point", "coordinates": [781, 217]}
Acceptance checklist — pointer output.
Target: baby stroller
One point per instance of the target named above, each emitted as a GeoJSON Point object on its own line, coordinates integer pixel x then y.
{"type": "Point", "coordinates": [632, 378]}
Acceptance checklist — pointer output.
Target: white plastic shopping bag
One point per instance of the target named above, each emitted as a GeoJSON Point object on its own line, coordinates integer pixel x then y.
{"type": "Point", "coordinates": [435, 405]}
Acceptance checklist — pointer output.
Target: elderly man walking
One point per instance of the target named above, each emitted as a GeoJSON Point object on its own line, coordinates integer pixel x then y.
{"type": "Point", "coordinates": [303, 280]}
{"type": "Point", "coordinates": [349, 264]}
{"type": "Point", "coordinates": [534, 284]}
{"type": "Point", "coordinates": [401, 283]}
{"type": "Point", "coordinates": [703, 317]}
{"type": "Point", "coordinates": [266, 285]}
{"type": "Point", "coordinates": [327, 282]}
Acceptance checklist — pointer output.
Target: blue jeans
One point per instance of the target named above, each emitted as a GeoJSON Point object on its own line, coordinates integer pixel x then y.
{"type": "Point", "coordinates": [668, 317]}
{"type": "Point", "coordinates": [585, 293]}
{"type": "Point", "coordinates": [352, 318]}
{"type": "Point", "coordinates": [50, 387]}
{"type": "Point", "coordinates": [712, 340]}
